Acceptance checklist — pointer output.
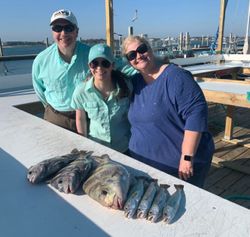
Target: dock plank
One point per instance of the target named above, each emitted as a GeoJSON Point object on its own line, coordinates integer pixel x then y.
{"type": "Point", "coordinates": [229, 173]}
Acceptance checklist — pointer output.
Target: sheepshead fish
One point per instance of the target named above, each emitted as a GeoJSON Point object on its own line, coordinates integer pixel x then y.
{"type": "Point", "coordinates": [44, 169]}
{"type": "Point", "coordinates": [173, 204]}
{"type": "Point", "coordinates": [70, 177]}
{"type": "Point", "coordinates": [108, 184]}
{"type": "Point", "coordinates": [156, 210]}
{"type": "Point", "coordinates": [147, 199]}
{"type": "Point", "coordinates": [134, 197]}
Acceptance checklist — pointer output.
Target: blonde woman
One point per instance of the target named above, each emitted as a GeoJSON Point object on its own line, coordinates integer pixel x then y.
{"type": "Point", "coordinates": [168, 116]}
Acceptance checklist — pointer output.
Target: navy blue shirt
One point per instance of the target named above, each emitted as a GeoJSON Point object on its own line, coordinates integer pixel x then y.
{"type": "Point", "coordinates": [160, 112]}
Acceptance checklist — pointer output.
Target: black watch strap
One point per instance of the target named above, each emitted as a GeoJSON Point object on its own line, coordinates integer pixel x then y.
{"type": "Point", "coordinates": [187, 158]}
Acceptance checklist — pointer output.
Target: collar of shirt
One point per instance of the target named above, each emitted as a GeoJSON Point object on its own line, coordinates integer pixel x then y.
{"type": "Point", "coordinates": [74, 56]}
{"type": "Point", "coordinates": [91, 88]}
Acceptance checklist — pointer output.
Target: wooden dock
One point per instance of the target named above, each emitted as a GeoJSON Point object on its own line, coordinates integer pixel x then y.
{"type": "Point", "coordinates": [17, 57]}
{"type": "Point", "coordinates": [229, 176]}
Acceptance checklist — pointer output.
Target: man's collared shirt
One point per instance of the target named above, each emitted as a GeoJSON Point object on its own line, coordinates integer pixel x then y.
{"type": "Point", "coordinates": [54, 80]}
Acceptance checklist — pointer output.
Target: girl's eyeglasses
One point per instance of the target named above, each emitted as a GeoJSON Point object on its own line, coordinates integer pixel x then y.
{"type": "Point", "coordinates": [131, 55]}
{"type": "Point", "coordinates": [67, 28]}
{"type": "Point", "coordinates": [102, 63]}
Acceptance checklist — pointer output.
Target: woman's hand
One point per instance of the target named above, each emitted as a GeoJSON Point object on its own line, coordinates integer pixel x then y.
{"type": "Point", "coordinates": [190, 143]}
{"type": "Point", "coordinates": [185, 169]}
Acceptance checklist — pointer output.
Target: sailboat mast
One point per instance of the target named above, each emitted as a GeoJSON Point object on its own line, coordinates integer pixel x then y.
{"type": "Point", "coordinates": [246, 47]}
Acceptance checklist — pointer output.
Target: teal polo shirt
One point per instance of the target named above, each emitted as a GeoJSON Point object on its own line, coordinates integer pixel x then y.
{"type": "Point", "coordinates": [55, 80]}
{"type": "Point", "coordinates": [108, 118]}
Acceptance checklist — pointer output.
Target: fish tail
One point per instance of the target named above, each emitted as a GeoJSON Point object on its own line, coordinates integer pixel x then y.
{"type": "Point", "coordinates": [165, 186]}
{"type": "Point", "coordinates": [179, 186]}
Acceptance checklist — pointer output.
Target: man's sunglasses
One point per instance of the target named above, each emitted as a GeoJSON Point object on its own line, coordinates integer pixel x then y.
{"type": "Point", "coordinates": [131, 55]}
{"type": "Point", "coordinates": [104, 63]}
{"type": "Point", "coordinates": [67, 28]}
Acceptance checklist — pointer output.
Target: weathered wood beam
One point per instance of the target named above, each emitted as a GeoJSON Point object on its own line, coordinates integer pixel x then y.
{"type": "Point", "coordinates": [221, 25]}
{"type": "Point", "coordinates": [109, 23]}
{"type": "Point", "coordinates": [226, 98]}
{"type": "Point", "coordinates": [216, 80]}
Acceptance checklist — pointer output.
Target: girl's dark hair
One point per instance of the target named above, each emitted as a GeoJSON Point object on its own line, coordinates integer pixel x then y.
{"type": "Point", "coordinates": [120, 79]}
{"type": "Point", "coordinates": [117, 78]}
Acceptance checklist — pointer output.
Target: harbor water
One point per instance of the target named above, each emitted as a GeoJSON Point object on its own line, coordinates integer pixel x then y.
{"type": "Point", "coordinates": [25, 66]}
{"type": "Point", "coordinates": [18, 66]}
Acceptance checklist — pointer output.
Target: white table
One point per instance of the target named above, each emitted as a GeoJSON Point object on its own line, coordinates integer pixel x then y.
{"type": "Point", "coordinates": [39, 210]}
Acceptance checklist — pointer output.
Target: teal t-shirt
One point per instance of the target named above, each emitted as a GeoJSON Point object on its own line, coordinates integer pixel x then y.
{"type": "Point", "coordinates": [55, 80]}
{"type": "Point", "coordinates": [108, 118]}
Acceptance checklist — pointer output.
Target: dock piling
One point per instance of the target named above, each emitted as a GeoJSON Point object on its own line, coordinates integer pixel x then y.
{"type": "Point", "coordinates": [1, 48]}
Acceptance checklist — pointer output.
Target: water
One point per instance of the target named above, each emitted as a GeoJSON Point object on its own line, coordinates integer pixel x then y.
{"type": "Point", "coordinates": [25, 66]}
{"type": "Point", "coordinates": [19, 66]}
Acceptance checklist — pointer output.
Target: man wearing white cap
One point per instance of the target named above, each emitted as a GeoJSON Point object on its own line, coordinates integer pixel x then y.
{"type": "Point", "coordinates": [59, 69]}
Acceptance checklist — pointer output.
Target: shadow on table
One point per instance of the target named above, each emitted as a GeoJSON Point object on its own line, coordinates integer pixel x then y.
{"type": "Point", "coordinates": [36, 210]}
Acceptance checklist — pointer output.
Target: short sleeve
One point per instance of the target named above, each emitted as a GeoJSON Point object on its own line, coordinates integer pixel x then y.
{"type": "Point", "coordinates": [77, 101]}
{"type": "Point", "coordinates": [191, 103]}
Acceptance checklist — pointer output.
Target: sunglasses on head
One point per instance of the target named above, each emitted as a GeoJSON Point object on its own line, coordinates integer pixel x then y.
{"type": "Point", "coordinates": [131, 55]}
{"type": "Point", "coordinates": [102, 63]}
{"type": "Point", "coordinates": [67, 28]}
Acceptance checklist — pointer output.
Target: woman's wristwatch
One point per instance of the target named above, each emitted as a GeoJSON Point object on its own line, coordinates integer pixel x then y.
{"type": "Point", "coordinates": [188, 158]}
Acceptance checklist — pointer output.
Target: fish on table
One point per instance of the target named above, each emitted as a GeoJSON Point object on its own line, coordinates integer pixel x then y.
{"type": "Point", "coordinates": [45, 169]}
{"type": "Point", "coordinates": [71, 177]}
{"type": "Point", "coordinates": [147, 199]}
{"type": "Point", "coordinates": [134, 197]}
{"type": "Point", "coordinates": [108, 184]}
{"type": "Point", "coordinates": [156, 210]}
{"type": "Point", "coordinates": [173, 204]}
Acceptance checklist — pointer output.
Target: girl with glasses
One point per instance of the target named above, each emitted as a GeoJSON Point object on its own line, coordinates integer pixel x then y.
{"type": "Point", "coordinates": [102, 101]}
{"type": "Point", "coordinates": [168, 116]}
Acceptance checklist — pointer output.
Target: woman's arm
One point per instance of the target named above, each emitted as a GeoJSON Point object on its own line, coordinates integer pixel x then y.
{"type": "Point", "coordinates": [81, 122]}
{"type": "Point", "coordinates": [190, 144]}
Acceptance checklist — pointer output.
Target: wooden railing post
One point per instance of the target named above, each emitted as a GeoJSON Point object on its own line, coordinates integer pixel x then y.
{"type": "Point", "coordinates": [109, 23]}
{"type": "Point", "coordinates": [47, 42]}
{"type": "Point", "coordinates": [221, 26]}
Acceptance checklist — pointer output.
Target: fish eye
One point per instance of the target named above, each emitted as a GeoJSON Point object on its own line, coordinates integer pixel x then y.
{"type": "Point", "coordinates": [60, 181]}
{"type": "Point", "coordinates": [104, 192]}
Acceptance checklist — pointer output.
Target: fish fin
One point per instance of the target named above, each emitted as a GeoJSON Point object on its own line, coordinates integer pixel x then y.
{"type": "Point", "coordinates": [74, 151]}
{"type": "Point", "coordinates": [82, 152]}
{"type": "Point", "coordinates": [105, 157]}
{"type": "Point", "coordinates": [101, 159]}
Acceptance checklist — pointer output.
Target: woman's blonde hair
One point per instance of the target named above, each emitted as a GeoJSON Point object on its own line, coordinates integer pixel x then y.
{"type": "Point", "coordinates": [133, 38]}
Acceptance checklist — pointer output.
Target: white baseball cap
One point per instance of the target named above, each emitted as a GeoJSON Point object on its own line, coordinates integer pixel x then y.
{"type": "Point", "coordinates": [64, 14]}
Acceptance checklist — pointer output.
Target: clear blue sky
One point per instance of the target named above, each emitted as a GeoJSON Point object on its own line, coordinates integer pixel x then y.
{"type": "Point", "coordinates": [29, 19]}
